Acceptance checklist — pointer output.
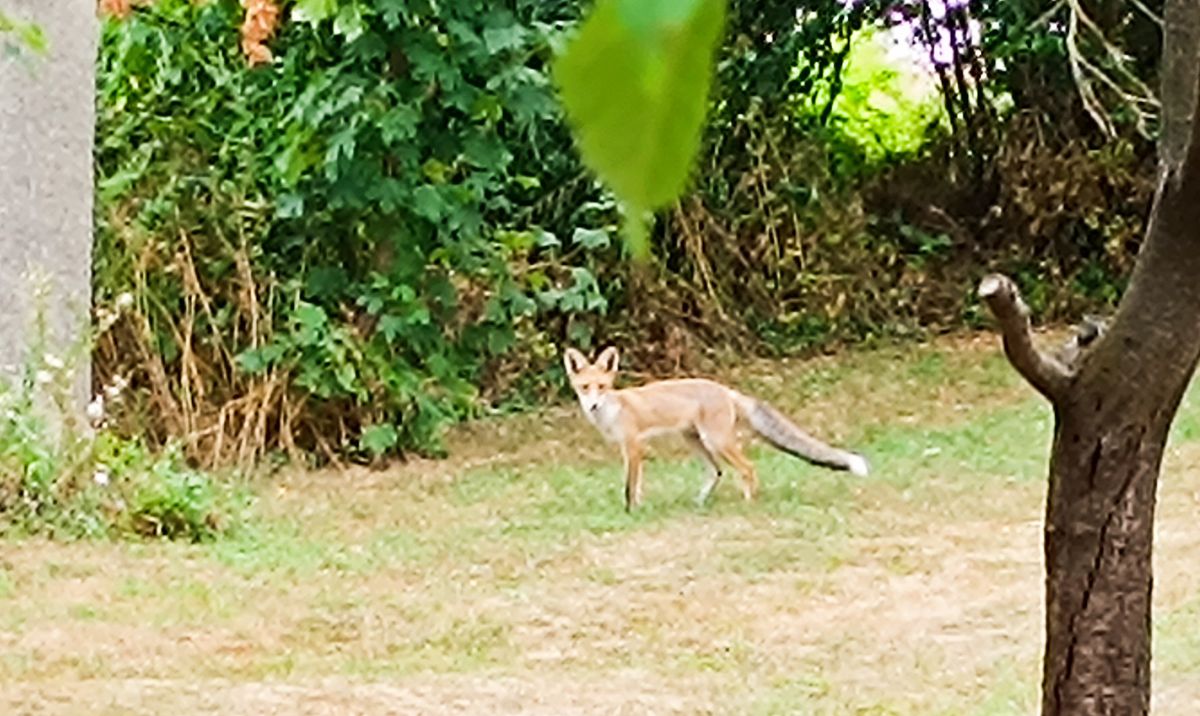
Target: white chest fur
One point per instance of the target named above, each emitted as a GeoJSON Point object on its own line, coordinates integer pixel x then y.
{"type": "Point", "coordinates": [606, 418]}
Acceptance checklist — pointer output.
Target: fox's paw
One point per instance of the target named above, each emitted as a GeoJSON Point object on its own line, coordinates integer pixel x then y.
{"type": "Point", "coordinates": [858, 465]}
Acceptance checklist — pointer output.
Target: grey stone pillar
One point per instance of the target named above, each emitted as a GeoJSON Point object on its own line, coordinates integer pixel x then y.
{"type": "Point", "coordinates": [47, 125]}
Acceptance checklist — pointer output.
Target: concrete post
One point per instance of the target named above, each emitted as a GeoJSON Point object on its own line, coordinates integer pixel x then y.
{"type": "Point", "coordinates": [47, 126]}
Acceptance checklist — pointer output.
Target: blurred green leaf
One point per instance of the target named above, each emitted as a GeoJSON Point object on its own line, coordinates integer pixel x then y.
{"type": "Point", "coordinates": [635, 84]}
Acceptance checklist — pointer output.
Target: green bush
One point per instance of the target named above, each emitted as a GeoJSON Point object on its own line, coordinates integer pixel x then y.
{"type": "Point", "coordinates": [355, 235]}
{"type": "Point", "coordinates": [883, 113]}
{"type": "Point", "coordinates": [170, 500]}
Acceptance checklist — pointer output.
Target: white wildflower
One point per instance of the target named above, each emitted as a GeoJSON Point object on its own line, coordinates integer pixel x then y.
{"type": "Point", "coordinates": [124, 301]}
{"type": "Point", "coordinates": [95, 410]}
{"type": "Point", "coordinates": [43, 377]}
{"type": "Point", "coordinates": [52, 361]}
{"type": "Point", "coordinates": [105, 319]}
{"type": "Point", "coordinates": [100, 477]}
{"type": "Point", "coordinates": [119, 384]}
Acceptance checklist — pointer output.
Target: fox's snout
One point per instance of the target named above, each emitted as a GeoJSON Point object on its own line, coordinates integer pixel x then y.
{"type": "Point", "coordinates": [590, 402]}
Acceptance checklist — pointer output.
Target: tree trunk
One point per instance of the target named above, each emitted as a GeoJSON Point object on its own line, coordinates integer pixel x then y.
{"type": "Point", "coordinates": [47, 124]}
{"type": "Point", "coordinates": [1114, 403]}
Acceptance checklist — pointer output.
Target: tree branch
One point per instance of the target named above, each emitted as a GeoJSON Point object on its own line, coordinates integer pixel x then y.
{"type": "Point", "coordinates": [1045, 373]}
{"type": "Point", "coordinates": [1180, 86]}
{"type": "Point", "coordinates": [1112, 69]}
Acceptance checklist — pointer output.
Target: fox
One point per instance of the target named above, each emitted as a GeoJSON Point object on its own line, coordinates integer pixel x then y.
{"type": "Point", "coordinates": [705, 412]}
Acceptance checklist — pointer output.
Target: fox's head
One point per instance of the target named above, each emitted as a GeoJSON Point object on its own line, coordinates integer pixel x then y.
{"type": "Point", "coordinates": [591, 380]}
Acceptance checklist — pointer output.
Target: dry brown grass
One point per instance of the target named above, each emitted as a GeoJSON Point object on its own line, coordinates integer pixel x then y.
{"type": "Point", "coordinates": [507, 579]}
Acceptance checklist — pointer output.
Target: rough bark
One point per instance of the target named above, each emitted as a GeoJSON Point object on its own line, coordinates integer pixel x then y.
{"type": "Point", "coordinates": [1113, 410]}
{"type": "Point", "coordinates": [47, 123]}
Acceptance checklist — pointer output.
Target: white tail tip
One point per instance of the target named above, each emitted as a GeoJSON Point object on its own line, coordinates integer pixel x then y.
{"type": "Point", "coordinates": [858, 465]}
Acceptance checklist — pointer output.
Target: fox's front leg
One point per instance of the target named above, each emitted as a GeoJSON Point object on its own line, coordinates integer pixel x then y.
{"type": "Point", "coordinates": [632, 450]}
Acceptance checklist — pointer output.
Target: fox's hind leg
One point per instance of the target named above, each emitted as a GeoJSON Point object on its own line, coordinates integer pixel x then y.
{"type": "Point", "coordinates": [710, 462]}
{"type": "Point", "coordinates": [732, 452]}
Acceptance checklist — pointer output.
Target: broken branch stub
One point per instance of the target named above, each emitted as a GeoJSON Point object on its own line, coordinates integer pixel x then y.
{"type": "Point", "coordinates": [1045, 373]}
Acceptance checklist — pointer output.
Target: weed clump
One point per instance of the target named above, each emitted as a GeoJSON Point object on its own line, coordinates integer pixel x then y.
{"type": "Point", "coordinates": [65, 473]}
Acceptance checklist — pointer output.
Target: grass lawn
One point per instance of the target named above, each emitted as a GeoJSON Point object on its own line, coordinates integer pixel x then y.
{"type": "Point", "coordinates": [508, 579]}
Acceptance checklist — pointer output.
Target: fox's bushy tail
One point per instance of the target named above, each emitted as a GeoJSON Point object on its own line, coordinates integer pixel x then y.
{"type": "Point", "coordinates": [781, 432]}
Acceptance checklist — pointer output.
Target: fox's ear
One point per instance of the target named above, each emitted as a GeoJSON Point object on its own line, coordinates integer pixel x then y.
{"type": "Point", "coordinates": [574, 361]}
{"type": "Point", "coordinates": [608, 360]}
